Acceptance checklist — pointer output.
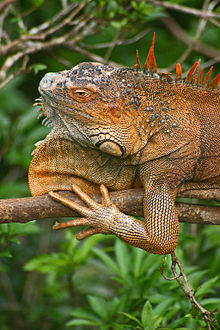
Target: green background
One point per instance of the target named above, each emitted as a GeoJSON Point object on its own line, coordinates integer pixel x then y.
{"type": "Point", "coordinates": [48, 280]}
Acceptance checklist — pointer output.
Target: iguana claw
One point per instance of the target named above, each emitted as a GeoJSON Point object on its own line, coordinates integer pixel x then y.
{"type": "Point", "coordinates": [94, 216]}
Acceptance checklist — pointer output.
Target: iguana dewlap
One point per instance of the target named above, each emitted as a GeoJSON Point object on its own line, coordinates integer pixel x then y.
{"type": "Point", "coordinates": [124, 128]}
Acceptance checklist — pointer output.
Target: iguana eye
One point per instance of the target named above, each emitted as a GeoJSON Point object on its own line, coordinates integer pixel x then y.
{"type": "Point", "coordinates": [82, 92]}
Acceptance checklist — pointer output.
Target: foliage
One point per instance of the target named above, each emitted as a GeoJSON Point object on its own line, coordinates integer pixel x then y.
{"type": "Point", "coordinates": [48, 279]}
{"type": "Point", "coordinates": [105, 283]}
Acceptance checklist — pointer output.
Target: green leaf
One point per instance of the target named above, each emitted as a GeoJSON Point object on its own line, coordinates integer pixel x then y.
{"type": "Point", "coordinates": [22, 229]}
{"type": "Point", "coordinates": [38, 67]}
{"type": "Point", "coordinates": [122, 257]}
{"type": "Point", "coordinates": [210, 301]}
{"type": "Point", "coordinates": [6, 254]}
{"type": "Point", "coordinates": [107, 260]}
{"type": "Point", "coordinates": [183, 328]}
{"type": "Point", "coordinates": [162, 307]}
{"type": "Point", "coordinates": [146, 314]}
{"type": "Point", "coordinates": [80, 322]}
{"type": "Point", "coordinates": [205, 287]}
{"type": "Point", "coordinates": [156, 321]}
{"type": "Point", "coordinates": [98, 305]}
{"type": "Point", "coordinates": [15, 240]}
{"type": "Point", "coordinates": [137, 262]}
{"type": "Point", "coordinates": [131, 317]}
{"type": "Point", "coordinates": [84, 250]}
{"type": "Point", "coordinates": [84, 313]}
{"type": "Point", "coordinates": [48, 263]}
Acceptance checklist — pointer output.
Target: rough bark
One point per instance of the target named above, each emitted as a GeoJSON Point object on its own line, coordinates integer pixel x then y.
{"type": "Point", "coordinates": [129, 201]}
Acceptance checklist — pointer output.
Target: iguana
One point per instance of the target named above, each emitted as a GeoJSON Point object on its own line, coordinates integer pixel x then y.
{"type": "Point", "coordinates": [123, 128]}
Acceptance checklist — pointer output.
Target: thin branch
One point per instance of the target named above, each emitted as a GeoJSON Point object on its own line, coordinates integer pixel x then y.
{"type": "Point", "coordinates": [42, 27]}
{"type": "Point", "coordinates": [181, 35]}
{"type": "Point", "coordinates": [5, 3]}
{"type": "Point", "coordinates": [184, 9]}
{"type": "Point", "coordinates": [68, 19]}
{"type": "Point", "coordinates": [35, 47]}
{"type": "Point", "coordinates": [62, 60]}
{"type": "Point", "coordinates": [207, 315]}
{"type": "Point", "coordinates": [200, 29]}
{"type": "Point", "coordinates": [128, 201]}
{"type": "Point", "coordinates": [117, 42]}
{"type": "Point", "coordinates": [39, 32]}
{"type": "Point", "coordinates": [211, 62]}
{"type": "Point", "coordinates": [34, 40]}
{"type": "Point", "coordinates": [214, 22]}
{"type": "Point", "coordinates": [112, 46]}
{"type": "Point", "coordinates": [16, 73]}
{"type": "Point", "coordinates": [90, 55]}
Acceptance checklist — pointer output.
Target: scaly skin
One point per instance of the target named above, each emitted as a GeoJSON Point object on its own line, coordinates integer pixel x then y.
{"type": "Point", "coordinates": [124, 128]}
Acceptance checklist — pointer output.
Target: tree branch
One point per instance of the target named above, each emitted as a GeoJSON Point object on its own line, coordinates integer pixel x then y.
{"type": "Point", "coordinates": [184, 9]}
{"type": "Point", "coordinates": [128, 201]}
{"type": "Point", "coordinates": [181, 35]}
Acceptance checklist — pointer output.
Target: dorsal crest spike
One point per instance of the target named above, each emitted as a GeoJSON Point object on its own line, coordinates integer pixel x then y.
{"type": "Point", "coordinates": [150, 64]}
{"type": "Point", "coordinates": [200, 77]}
{"type": "Point", "coordinates": [205, 82]}
{"type": "Point", "coordinates": [215, 83]}
{"type": "Point", "coordinates": [196, 73]}
{"type": "Point", "coordinates": [190, 74]}
{"type": "Point", "coordinates": [137, 60]}
{"type": "Point", "coordinates": [137, 66]}
{"type": "Point", "coordinates": [178, 72]}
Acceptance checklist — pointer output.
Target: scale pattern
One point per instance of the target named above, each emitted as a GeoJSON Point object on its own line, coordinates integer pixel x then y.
{"type": "Point", "coordinates": [126, 128]}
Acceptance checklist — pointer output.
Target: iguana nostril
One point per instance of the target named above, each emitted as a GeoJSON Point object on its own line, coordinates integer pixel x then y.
{"type": "Point", "coordinates": [48, 80]}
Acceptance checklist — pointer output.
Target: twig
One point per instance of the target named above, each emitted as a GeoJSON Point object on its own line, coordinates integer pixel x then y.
{"type": "Point", "coordinates": [42, 27]}
{"type": "Point", "coordinates": [68, 19]}
{"type": "Point", "coordinates": [62, 60]}
{"type": "Point", "coordinates": [181, 35]}
{"type": "Point", "coordinates": [200, 29]}
{"type": "Point", "coordinates": [5, 3]}
{"type": "Point", "coordinates": [90, 55]}
{"type": "Point", "coordinates": [35, 40]}
{"type": "Point", "coordinates": [211, 62]}
{"type": "Point", "coordinates": [117, 42]}
{"type": "Point", "coordinates": [207, 315]}
{"type": "Point", "coordinates": [16, 73]}
{"type": "Point", "coordinates": [214, 22]}
{"type": "Point", "coordinates": [184, 9]}
{"type": "Point", "coordinates": [112, 46]}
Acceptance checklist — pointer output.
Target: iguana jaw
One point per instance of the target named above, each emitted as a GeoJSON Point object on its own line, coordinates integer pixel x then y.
{"type": "Point", "coordinates": [98, 135]}
{"type": "Point", "coordinates": [88, 130]}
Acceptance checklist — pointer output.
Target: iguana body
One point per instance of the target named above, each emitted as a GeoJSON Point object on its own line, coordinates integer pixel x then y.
{"type": "Point", "coordinates": [124, 128]}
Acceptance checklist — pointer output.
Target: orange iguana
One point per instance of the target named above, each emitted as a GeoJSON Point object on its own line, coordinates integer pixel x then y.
{"type": "Point", "coordinates": [125, 128]}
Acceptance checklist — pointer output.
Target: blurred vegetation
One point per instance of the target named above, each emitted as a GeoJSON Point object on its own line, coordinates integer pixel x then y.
{"type": "Point", "coordinates": [48, 280]}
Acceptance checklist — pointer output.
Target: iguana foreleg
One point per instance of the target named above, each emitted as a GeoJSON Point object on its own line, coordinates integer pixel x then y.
{"type": "Point", "coordinates": [155, 235]}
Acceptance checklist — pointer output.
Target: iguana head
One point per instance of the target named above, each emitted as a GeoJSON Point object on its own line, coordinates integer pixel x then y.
{"type": "Point", "coordinates": [95, 103]}
{"type": "Point", "coordinates": [114, 110]}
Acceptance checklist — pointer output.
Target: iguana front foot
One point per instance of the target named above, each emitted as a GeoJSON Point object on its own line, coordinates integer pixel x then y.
{"type": "Point", "coordinates": [96, 216]}
{"type": "Point", "coordinates": [106, 218]}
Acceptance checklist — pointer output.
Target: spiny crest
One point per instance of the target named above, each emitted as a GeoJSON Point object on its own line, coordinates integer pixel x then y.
{"type": "Point", "coordinates": [150, 64]}
{"type": "Point", "coordinates": [193, 77]}
{"type": "Point", "coordinates": [138, 65]}
{"type": "Point", "coordinates": [178, 72]}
